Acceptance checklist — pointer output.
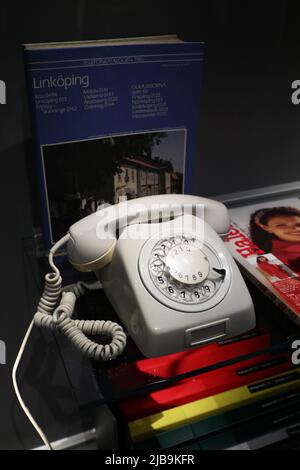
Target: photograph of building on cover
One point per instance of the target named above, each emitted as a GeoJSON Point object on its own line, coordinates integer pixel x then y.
{"type": "Point", "coordinates": [81, 176]}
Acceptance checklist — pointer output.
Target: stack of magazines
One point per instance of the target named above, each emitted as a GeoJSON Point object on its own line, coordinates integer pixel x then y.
{"type": "Point", "coordinates": [265, 241]}
{"type": "Point", "coordinates": [216, 397]}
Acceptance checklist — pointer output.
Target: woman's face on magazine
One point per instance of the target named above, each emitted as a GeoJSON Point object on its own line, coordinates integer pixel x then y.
{"type": "Point", "coordinates": [285, 227]}
{"type": "Point", "coordinates": [262, 259]}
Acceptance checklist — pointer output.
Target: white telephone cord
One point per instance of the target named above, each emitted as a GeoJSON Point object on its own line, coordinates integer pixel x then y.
{"type": "Point", "coordinates": [56, 316]}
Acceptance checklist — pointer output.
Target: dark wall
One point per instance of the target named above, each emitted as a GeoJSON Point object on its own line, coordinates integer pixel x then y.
{"type": "Point", "coordinates": [248, 138]}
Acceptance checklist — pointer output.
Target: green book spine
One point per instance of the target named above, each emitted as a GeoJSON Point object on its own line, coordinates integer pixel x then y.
{"type": "Point", "coordinates": [247, 430]}
{"type": "Point", "coordinates": [203, 427]}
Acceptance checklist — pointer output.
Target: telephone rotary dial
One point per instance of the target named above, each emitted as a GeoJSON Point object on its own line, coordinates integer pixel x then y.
{"type": "Point", "coordinates": [185, 270]}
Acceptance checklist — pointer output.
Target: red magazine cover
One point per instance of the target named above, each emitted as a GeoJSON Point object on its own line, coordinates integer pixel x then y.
{"type": "Point", "coordinates": [265, 241]}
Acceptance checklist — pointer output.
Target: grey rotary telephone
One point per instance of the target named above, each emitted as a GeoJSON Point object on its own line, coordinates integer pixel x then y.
{"type": "Point", "coordinates": [165, 270]}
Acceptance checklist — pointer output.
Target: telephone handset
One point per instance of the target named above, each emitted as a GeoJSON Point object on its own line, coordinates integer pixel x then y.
{"type": "Point", "coordinates": [93, 239]}
{"type": "Point", "coordinates": [165, 270]}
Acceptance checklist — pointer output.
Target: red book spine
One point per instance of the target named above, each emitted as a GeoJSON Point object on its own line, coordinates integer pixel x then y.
{"type": "Point", "coordinates": [145, 371]}
{"type": "Point", "coordinates": [204, 385]}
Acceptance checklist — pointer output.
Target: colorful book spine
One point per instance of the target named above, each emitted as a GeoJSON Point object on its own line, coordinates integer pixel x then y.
{"type": "Point", "coordinates": [204, 385]}
{"type": "Point", "coordinates": [221, 422]}
{"type": "Point", "coordinates": [191, 412]}
{"type": "Point", "coordinates": [146, 371]}
{"type": "Point", "coordinates": [284, 438]}
{"type": "Point", "coordinates": [247, 431]}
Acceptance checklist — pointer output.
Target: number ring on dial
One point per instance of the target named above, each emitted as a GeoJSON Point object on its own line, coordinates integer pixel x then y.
{"type": "Point", "coordinates": [187, 265]}
{"type": "Point", "coordinates": [164, 282]}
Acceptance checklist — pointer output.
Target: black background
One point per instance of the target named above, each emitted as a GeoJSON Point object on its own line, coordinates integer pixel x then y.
{"type": "Point", "coordinates": [248, 137]}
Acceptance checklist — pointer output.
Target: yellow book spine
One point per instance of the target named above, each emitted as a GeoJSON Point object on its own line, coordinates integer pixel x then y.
{"type": "Point", "coordinates": [143, 428]}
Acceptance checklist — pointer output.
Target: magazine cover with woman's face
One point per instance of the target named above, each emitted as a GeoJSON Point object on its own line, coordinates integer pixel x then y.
{"type": "Point", "coordinates": [265, 240]}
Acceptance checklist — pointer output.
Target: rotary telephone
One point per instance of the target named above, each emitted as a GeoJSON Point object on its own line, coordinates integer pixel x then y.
{"type": "Point", "coordinates": [166, 271]}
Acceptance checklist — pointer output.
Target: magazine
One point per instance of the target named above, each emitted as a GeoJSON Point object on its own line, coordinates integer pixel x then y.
{"type": "Point", "coordinates": [265, 240]}
{"type": "Point", "coordinates": [111, 120]}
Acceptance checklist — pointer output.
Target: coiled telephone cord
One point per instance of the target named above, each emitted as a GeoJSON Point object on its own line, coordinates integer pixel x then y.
{"type": "Point", "coordinates": [54, 311]}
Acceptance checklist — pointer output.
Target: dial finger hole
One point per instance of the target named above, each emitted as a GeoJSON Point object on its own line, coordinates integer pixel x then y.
{"type": "Point", "coordinates": [172, 290]}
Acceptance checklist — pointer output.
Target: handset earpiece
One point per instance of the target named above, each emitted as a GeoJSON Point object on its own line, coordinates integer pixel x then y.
{"type": "Point", "coordinates": [92, 242]}
{"type": "Point", "coordinates": [80, 255]}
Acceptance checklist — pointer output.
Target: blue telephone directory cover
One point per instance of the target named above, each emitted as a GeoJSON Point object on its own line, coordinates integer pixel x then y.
{"type": "Point", "coordinates": [111, 120]}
